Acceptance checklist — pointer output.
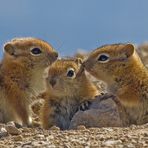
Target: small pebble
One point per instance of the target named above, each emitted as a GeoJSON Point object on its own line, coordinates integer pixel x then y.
{"type": "Point", "coordinates": [111, 142]}
{"type": "Point", "coordinates": [3, 132]}
{"type": "Point", "coordinates": [18, 138]}
{"type": "Point", "coordinates": [12, 123]}
{"type": "Point", "coordinates": [55, 128]}
{"type": "Point", "coordinates": [81, 127]}
{"type": "Point", "coordinates": [12, 130]}
{"type": "Point", "coordinates": [25, 129]}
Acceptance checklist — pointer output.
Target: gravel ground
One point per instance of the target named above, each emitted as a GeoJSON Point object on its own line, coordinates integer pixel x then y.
{"type": "Point", "coordinates": [133, 136]}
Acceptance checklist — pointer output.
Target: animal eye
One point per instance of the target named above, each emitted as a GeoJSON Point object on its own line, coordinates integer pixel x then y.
{"type": "Point", "coordinates": [70, 73]}
{"type": "Point", "coordinates": [36, 51]}
{"type": "Point", "coordinates": [103, 58]}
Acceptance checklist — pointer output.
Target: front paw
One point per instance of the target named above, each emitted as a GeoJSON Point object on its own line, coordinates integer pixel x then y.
{"type": "Point", "coordinates": [105, 96]}
{"type": "Point", "coordinates": [84, 106]}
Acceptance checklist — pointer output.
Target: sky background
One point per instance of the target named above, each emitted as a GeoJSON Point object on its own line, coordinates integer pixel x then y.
{"type": "Point", "coordinates": [70, 25]}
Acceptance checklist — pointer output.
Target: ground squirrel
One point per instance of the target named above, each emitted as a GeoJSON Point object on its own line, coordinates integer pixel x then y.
{"type": "Point", "coordinates": [21, 76]}
{"type": "Point", "coordinates": [121, 68]}
{"type": "Point", "coordinates": [67, 89]}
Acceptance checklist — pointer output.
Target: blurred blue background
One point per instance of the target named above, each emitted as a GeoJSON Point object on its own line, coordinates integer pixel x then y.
{"type": "Point", "coordinates": [79, 24]}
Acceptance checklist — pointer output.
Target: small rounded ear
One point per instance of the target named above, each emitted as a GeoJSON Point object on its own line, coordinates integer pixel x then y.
{"type": "Point", "coordinates": [81, 71]}
{"type": "Point", "coordinates": [8, 48]}
{"type": "Point", "coordinates": [79, 61]}
{"type": "Point", "coordinates": [129, 50]}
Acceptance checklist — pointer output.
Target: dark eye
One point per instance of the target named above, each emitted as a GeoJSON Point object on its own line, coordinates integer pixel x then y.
{"type": "Point", "coordinates": [36, 51]}
{"type": "Point", "coordinates": [70, 73]}
{"type": "Point", "coordinates": [103, 58]}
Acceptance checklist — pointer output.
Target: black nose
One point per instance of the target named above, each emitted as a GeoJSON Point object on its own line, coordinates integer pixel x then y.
{"type": "Point", "coordinates": [52, 82]}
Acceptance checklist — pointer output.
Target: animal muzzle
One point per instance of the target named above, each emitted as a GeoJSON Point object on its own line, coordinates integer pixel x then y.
{"type": "Point", "coordinates": [53, 56]}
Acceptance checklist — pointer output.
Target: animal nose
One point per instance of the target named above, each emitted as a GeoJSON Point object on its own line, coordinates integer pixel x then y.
{"type": "Point", "coordinates": [52, 82]}
{"type": "Point", "coordinates": [53, 57]}
{"type": "Point", "coordinates": [87, 64]}
{"type": "Point", "coordinates": [83, 64]}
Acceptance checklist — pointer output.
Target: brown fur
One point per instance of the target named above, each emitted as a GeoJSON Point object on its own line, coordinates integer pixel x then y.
{"type": "Point", "coordinates": [65, 97]}
{"type": "Point", "coordinates": [21, 77]}
{"type": "Point", "coordinates": [125, 76]}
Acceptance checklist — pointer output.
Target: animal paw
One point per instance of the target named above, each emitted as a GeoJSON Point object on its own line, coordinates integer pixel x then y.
{"type": "Point", "coordinates": [105, 96]}
{"type": "Point", "coordinates": [84, 106]}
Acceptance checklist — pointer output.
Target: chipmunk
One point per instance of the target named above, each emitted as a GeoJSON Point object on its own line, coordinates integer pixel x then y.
{"type": "Point", "coordinates": [67, 90]}
{"type": "Point", "coordinates": [120, 67]}
{"type": "Point", "coordinates": [21, 76]}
